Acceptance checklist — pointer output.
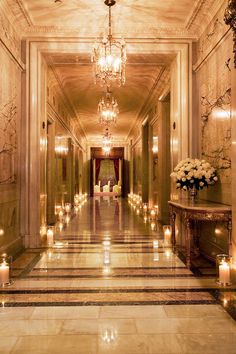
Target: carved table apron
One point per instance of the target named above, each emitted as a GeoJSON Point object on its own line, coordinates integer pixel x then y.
{"type": "Point", "coordinates": [198, 211]}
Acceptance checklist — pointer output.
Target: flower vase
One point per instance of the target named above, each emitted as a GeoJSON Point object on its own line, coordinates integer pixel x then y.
{"type": "Point", "coordinates": [193, 194]}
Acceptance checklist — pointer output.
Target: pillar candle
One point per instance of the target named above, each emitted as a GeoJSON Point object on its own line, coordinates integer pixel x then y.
{"type": "Point", "coordinates": [167, 235]}
{"type": "Point", "coordinates": [50, 237]}
{"type": "Point", "coordinates": [224, 273]}
{"type": "Point", "coordinates": [4, 273]}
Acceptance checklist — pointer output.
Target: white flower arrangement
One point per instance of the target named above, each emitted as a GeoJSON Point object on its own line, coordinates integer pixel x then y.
{"type": "Point", "coordinates": [194, 173]}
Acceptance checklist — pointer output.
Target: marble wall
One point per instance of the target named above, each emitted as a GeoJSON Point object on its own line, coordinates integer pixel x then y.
{"type": "Point", "coordinates": [137, 167]}
{"type": "Point", "coordinates": [212, 107]}
{"type": "Point", "coordinates": [10, 122]}
{"type": "Point", "coordinates": [62, 160]}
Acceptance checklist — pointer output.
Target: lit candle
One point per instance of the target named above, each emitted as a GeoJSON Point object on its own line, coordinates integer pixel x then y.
{"type": "Point", "coordinates": [153, 213]}
{"type": "Point", "coordinates": [67, 207]}
{"type": "Point", "coordinates": [60, 215]}
{"type": "Point", "coordinates": [153, 225]}
{"type": "Point", "coordinates": [145, 219]}
{"type": "Point", "coordinates": [4, 273]}
{"type": "Point", "coordinates": [167, 233]}
{"type": "Point", "coordinates": [138, 212]}
{"type": "Point", "coordinates": [145, 208]}
{"type": "Point", "coordinates": [224, 273]}
{"type": "Point", "coordinates": [50, 235]}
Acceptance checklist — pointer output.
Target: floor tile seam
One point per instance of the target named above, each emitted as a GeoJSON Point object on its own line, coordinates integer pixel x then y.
{"type": "Point", "coordinates": [108, 303]}
{"type": "Point", "coordinates": [112, 268]}
{"type": "Point", "coordinates": [115, 277]}
{"type": "Point", "coordinates": [105, 291]}
{"type": "Point", "coordinates": [15, 345]}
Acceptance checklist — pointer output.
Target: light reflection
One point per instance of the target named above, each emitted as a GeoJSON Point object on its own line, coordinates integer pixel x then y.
{"type": "Point", "coordinates": [156, 257]}
{"type": "Point", "coordinates": [155, 243]}
{"type": "Point", "coordinates": [218, 231]}
{"type": "Point", "coordinates": [1, 232]}
{"type": "Point", "coordinates": [221, 114]}
{"type": "Point", "coordinates": [106, 257]}
{"type": "Point", "coordinates": [109, 335]}
{"type": "Point", "coordinates": [168, 253]}
{"type": "Point", "coordinates": [106, 270]}
{"type": "Point", "coordinates": [225, 302]}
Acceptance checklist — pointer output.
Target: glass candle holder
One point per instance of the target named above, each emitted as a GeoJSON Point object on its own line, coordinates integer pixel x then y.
{"type": "Point", "coordinates": [5, 270]}
{"type": "Point", "coordinates": [167, 230]}
{"type": "Point", "coordinates": [50, 236]}
{"type": "Point", "coordinates": [223, 269]}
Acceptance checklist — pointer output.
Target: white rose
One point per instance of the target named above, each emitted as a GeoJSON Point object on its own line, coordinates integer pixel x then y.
{"type": "Point", "coordinates": [215, 178]}
{"type": "Point", "coordinates": [178, 185]}
{"type": "Point", "coordinates": [201, 184]}
{"type": "Point", "coordinates": [184, 179]}
{"type": "Point", "coordinates": [184, 188]}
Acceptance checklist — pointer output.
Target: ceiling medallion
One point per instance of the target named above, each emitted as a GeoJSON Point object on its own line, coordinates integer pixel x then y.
{"type": "Point", "coordinates": [108, 109]}
{"type": "Point", "coordinates": [106, 142]}
{"type": "Point", "coordinates": [109, 57]}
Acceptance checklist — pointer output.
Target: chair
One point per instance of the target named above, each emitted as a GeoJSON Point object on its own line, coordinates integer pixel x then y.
{"type": "Point", "coordinates": [106, 188]}
{"type": "Point", "coordinates": [97, 187]}
{"type": "Point", "coordinates": [117, 188]}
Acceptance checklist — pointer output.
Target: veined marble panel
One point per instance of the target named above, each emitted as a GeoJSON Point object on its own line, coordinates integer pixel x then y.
{"type": "Point", "coordinates": [10, 115]}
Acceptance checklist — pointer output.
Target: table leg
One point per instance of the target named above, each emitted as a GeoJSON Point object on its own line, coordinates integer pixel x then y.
{"type": "Point", "coordinates": [172, 222]}
{"type": "Point", "coordinates": [187, 232]}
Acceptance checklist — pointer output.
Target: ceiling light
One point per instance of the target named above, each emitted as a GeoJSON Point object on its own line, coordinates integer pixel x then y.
{"type": "Point", "coordinates": [106, 142]}
{"type": "Point", "coordinates": [109, 57]}
{"type": "Point", "coordinates": [108, 109]}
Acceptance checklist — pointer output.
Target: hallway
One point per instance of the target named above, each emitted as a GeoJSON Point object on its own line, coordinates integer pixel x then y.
{"type": "Point", "coordinates": [110, 285]}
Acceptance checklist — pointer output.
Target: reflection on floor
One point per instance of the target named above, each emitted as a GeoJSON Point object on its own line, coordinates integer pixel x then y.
{"type": "Point", "coordinates": [110, 285]}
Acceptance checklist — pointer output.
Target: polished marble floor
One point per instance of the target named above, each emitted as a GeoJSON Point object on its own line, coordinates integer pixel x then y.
{"type": "Point", "coordinates": [111, 285]}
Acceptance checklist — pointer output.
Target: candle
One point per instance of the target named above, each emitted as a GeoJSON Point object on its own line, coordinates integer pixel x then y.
{"type": "Point", "coordinates": [224, 273]}
{"type": "Point", "coordinates": [145, 219]}
{"type": "Point", "coordinates": [50, 235]}
{"type": "Point", "coordinates": [153, 213]}
{"type": "Point", "coordinates": [138, 212]}
{"type": "Point", "coordinates": [61, 215]}
{"type": "Point", "coordinates": [4, 273]}
{"type": "Point", "coordinates": [167, 233]}
{"type": "Point", "coordinates": [67, 207]}
{"type": "Point", "coordinates": [153, 225]}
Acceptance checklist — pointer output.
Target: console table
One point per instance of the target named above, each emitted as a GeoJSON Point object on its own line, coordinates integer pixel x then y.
{"type": "Point", "coordinates": [190, 213]}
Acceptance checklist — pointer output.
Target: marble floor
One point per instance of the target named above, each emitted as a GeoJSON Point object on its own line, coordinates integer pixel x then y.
{"type": "Point", "coordinates": [111, 285]}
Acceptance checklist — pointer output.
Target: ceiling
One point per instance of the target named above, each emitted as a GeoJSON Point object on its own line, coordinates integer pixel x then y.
{"type": "Point", "coordinates": [75, 73]}
{"type": "Point", "coordinates": [132, 19]}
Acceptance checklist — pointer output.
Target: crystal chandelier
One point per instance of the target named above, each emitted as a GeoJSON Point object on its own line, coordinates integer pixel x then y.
{"type": "Point", "coordinates": [109, 57]}
{"type": "Point", "coordinates": [108, 109]}
{"type": "Point", "coordinates": [106, 142]}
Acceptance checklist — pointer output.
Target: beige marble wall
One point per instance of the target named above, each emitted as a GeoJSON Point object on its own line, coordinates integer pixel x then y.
{"type": "Point", "coordinates": [10, 138]}
{"type": "Point", "coordinates": [62, 172]}
{"type": "Point", "coordinates": [212, 107]}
